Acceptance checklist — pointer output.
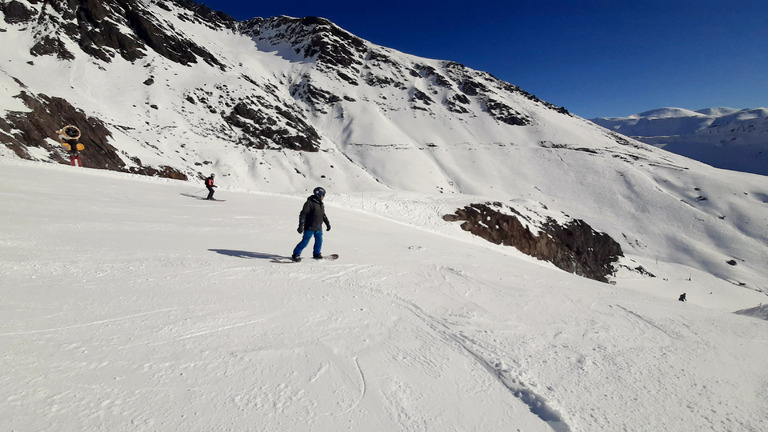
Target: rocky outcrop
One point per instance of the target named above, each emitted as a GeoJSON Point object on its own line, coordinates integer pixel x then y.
{"type": "Point", "coordinates": [16, 12]}
{"type": "Point", "coordinates": [92, 24]}
{"type": "Point", "coordinates": [262, 129]}
{"type": "Point", "coordinates": [23, 131]}
{"type": "Point", "coordinates": [574, 246]}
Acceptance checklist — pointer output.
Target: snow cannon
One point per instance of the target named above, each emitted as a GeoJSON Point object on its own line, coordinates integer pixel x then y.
{"type": "Point", "coordinates": [69, 136]}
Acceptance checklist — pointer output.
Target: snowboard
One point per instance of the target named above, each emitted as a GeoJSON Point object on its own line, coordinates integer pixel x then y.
{"type": "Point", "coordinates": [288, 260]}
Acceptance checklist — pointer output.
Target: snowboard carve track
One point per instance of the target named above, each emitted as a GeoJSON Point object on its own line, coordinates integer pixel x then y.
{"type": "Point", "coordinates": [537, 404]}
{"type": "Point", "coordinates": [648, 322]}
{"type": "Point", "coordinates": [94, 323]}
{"type": "Point", "coordinates": [363, 388]}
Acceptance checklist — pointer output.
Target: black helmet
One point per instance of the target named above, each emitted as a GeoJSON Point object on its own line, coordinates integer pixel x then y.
{"type": "Point", "coordinates": [318, 192]}
{"type": "Point", "coordinates": [212, 175]}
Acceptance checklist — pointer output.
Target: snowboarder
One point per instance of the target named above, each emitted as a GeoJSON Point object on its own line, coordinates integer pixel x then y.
{"type": "Point", "coordinates": [209, 184]}
{"type": "Point", "coordinates": [682, 297]}
{"type": "Point", "coordinates": [311, 219]}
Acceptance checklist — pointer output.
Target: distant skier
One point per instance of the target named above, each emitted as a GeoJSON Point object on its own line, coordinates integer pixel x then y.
{"type": "Point", "coordinates": [209, 184]}
{"type": "Point", "coordinates": [682, 297]}
{"type": "Point", "coordinates": [311, 219]}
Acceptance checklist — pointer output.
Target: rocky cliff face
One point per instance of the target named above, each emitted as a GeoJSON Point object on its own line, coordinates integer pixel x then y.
{"type": "Point", "coordinates": [49, 113]}
{"type": "Point", "coordinates": [104, 29]}
{"type": "Point", "coordinates": [574, 246]}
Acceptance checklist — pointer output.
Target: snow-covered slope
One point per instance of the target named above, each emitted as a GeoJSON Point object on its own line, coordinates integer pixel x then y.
{"type": "Point", "coordinates": [128, 305]}
{"type": "Point", "coordinates": [722, 137]}
{"type": "Point", "coordinates": [285, 104]}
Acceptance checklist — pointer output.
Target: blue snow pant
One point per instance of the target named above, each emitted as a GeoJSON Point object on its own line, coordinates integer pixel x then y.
{"type": "Point", "coordinates": [305, 241]}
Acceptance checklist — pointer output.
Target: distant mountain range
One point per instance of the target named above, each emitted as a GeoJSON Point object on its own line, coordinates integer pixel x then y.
{"type": "Point", "coordinates": [735, 139]}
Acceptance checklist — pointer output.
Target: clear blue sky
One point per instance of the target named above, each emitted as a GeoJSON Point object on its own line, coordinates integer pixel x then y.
{"type": "Point", "coordinates": [598, 58]}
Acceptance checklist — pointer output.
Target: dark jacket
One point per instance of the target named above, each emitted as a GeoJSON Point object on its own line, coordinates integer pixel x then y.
{"type": "Point", "coordinates": [209, 182]}
{"type": "Point", "coordinates": [312, 215]}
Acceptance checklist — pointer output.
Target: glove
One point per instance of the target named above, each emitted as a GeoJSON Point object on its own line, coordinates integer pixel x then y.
{"type": "Point", "coordinates": [327, 227]}
{"type": "Point", "coordinates": [300, 230]}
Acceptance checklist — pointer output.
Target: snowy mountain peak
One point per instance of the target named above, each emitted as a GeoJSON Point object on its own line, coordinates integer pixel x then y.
{"type": "Point", "coordinates": [717, 112]}
{"type": "Point", "coordinates": [661, 113]}
{"type": "Point", "coordinates": [723, 137]}
{"type": "Point", "coordinates": [312, 38]}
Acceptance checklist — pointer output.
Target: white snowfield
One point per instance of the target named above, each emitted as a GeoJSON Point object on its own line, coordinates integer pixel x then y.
{"type": "Point", "coordinates": [127, 305]}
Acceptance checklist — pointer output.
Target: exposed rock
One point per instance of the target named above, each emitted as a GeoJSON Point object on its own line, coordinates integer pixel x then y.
{"type": "Point", "coordinates": [92, 25]}
{"type": "Point", "coordinates": [48, 45]}
{"type": "Point", "coordinates": [574, 247]}
{"type": "Point", "coordinates": [430, 72]}
{"type": "Point", "coordinates": [454, 104]}
{"type": "Point", "coordinates": [419, 95]}
{"type": "Point", "coordinates": [505, 113]}
{"type": "Point", "coordinates": [261, 130]}
{"type": "Point", "coordinates": [471, 87]}
{"type": "Point", "coordinates": [16, 12]}
{"type": "Point", "coordinates": [316, 97]}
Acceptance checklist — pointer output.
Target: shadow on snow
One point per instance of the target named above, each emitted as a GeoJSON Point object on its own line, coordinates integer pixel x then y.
{"type": "Point", "coordinates": [248, 255]}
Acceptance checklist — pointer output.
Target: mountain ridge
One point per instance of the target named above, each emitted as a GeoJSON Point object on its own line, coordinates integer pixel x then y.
{"type": "Point", "coordinates": [728, 138]}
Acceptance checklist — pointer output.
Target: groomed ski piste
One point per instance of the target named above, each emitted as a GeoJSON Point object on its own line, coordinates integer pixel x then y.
{"type": "Point", "coordinates": [128, 306]}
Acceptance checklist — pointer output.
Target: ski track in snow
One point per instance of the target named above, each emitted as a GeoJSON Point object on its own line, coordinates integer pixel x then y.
{"type": "Point", "coordinates": [536, 403]}
{"type": "Point", "coordinates": [196, 334]}
{"type": "Point", "coordinates": [648, 322]}
{"type": "Point", "coordinates": [95, 323]}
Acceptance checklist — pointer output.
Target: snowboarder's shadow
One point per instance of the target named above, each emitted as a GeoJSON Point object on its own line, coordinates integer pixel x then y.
{"type": "Point", "coordinates": [246, 254]}
{"type": "Point", "coordinates": [192, 196]}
